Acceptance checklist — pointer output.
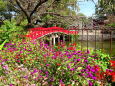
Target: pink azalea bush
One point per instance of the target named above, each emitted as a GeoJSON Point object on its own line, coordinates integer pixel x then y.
{"type": "Point", "coordinates": [34, 63]}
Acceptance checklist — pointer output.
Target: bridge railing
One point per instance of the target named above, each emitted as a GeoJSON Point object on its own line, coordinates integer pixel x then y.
{"type": "Point", "coordinates": [103, 38]}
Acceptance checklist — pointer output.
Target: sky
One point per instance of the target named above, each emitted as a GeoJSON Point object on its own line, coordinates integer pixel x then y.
{"type": "Point", "coordinates": [87, 7]}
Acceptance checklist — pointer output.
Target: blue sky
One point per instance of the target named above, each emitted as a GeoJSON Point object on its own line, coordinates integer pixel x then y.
{"type": "Point", "coordinates": [87, 7]}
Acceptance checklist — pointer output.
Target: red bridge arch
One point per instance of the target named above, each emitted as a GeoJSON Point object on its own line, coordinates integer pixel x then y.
{"type": "Point", "coordinates": [39, 32]}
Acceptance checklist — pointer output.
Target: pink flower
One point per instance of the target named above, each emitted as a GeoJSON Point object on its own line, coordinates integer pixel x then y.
{"type": "Point", "coordinates": [32, 85]}
{"type": "Point", "coordinates": [5, 67]}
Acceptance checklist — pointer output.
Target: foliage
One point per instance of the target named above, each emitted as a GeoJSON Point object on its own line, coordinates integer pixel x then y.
{"type": "Point", "coordinates": [2, 5]}
{"type": "Point", "coordinates": [36, 63]}
{"type": "Point", "coordinates": [105, 10]}
{"type": "Point", "coordinates": [106, 7]}
{"type": "Point", "coordinates": [39, 10]}
{"type": "Point", "coordinates": [6, 10]}
{"type": "Point", "coordinates": [9, 30]}
{"type": "Point", "coordinates": [111, 25]}
{"type": "Point", "coordinates": [2, 45]}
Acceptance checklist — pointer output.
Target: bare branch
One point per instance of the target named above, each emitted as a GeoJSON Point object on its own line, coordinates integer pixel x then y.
{"type": "Point", "coordinates": [39, 4]}
{"type": "Point", "coordinates": [19, 4]}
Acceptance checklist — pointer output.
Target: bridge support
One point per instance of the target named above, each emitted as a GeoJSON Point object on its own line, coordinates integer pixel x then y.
{"type": "Point", "coordinates": [64, 38]}
{"type": "Point", "coordinates": [53, 38]}
{"type": "Point", "coordinates": [50, 41]}
{"type": "Point", "coordinates": [54, 41]}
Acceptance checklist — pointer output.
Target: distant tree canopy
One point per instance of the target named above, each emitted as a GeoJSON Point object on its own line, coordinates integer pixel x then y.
{"type": "Point", "coordinates": [105, 10]}
{"type": "Point", "coordinates": [6, 10]}
{"type": "Point", "coordinates": [39, 12]}
{"type": "Point", "coordinates": [106, 7]}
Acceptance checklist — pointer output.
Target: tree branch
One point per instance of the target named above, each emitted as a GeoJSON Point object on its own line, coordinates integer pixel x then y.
{"type": "Point", "coordinates": [25, 12]}
{"type": "Point", "coordinates": [39, 4]}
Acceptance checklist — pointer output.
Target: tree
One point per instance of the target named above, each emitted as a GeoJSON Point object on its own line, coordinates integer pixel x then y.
{"type": "Point", "coordinates": [35, 10]}
{"type": "Point", "coordinates": [105, 10]}
{"type": "Point", "coordinates": [106, 6]}
{"type": "Point", "coordinates": [6, 10]}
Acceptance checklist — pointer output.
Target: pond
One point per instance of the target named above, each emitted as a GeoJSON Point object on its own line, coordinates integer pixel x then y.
{"type": "Point", "coordinates": [105, 45]}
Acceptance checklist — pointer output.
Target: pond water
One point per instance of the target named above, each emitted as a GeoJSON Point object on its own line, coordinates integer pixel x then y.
{"type": "Point", "coordinates": [105, 45]}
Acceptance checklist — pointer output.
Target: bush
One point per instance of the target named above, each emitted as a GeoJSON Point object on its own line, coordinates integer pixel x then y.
{"type": "Point", "coordinates": [9, 31]}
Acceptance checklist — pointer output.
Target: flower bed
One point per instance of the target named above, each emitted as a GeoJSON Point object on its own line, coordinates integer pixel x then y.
{"type": "Point", "coordinates": [33, 63]}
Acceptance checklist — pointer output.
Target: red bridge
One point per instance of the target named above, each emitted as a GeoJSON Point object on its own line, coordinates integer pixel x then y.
{"type": "Point", "coordinates": [39, 32]}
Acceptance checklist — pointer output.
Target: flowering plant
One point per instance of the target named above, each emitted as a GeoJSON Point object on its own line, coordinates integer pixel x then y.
{"type": "Point", "coordinates": [40, 64]}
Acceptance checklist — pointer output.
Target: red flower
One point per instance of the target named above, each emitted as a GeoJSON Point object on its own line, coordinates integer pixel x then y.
{"type": "Point", "coordinates": [97, 67]}
{"type": "Point", "coordinates": [113, 77]}
{"type": "Point", "coordinates": [59, 43]}
{"type": "Point", "coordinates": [111, 73]}
{"type": "Point", "coordinates": [18, 61]}
{"type": "Point", "coordinates": [113, 65]}
{"type": "Point", "coordinates": [71, 48]}
{"type": "Point", "coordinates": [74, 44]}
{"type": "Point", "coordinates": [108, 72]}
{"type": "Point", "coordinates": [62, 84]}
{"type": "Point", "coordinates": [99, 76]}
{"type": "Point", "coordinates": [58, 64]}
{"type": "Point", "coordinates": [24, 61]}
{"type": "Point", "coordinates": [11, 50]}
{"type": "Point", "coordinates": [69, 85]}
{"type": "Point", "coordinates": [18, 56]}
{"type": "Point", "coordinates": [112, 62]}
{"type": "Point", "coordinates": [44, 61]}
{"type": "Point", "coordinates": [58, 47]}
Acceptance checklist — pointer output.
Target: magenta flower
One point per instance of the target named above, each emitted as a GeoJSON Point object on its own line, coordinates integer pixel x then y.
{"type": "Point", "coordinates": [11, 85]}
{"type": "Point", "coordinates": [88, 66]}
{"type": "Point", "coordinates": [26, 77]}
{"type": "Point", "coordinates": [82, 74]}
{"type": "Point", "coordinates": [72, 69]}
{"type": "Point", "coordinates": [87, 52]}
{"type": "Point", "coordinates": [21, 52]}
{"type": "Point", "coordinates": [69, 57]}
{"type": "Point", "coordinates": [90, 83]}
{"type": "Point", "coordinates": [92, 70]}
{"type": "Point", "coordinates": [94, 78]}
{"type": "Point", "coordinates": [68, 67]}
{"type": "Point", "coordinates": [78, 60]}
{"type": "Point", "coordinates": [85, 60]}
{"type": "Point", "coordinates": [35, 70]}
{"type": "Point", "coordinates": [9, 44]}
{"type": "Point", "coordinates": [54, 57]}
{"type": "Point", "coordinates": [47, 65]}
{"type": "Point", "coordinates": [75, 59]}
{"type": "Point", "coordinates": [47, 72]}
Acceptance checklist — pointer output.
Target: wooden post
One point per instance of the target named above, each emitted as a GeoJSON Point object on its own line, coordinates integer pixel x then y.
{"type": "Point", "coordinates": [51, 40]}
{"type": "Point", "coordinates": [58, 38]}
{"type": "Point", "coordinates": [63, 38]}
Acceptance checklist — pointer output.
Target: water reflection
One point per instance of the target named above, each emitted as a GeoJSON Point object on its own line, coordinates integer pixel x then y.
{"type": "Point", "coordinates": [105, 45]}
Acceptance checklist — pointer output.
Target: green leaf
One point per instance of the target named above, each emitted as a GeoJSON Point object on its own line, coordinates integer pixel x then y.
{"type": "Point", "coordinates": [79, 68]}
{"type": "Point", "coordinates": [2, 45]}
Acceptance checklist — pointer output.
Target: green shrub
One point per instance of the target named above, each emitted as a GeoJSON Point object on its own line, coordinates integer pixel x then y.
{"type": "Point", "coordinates": [9, 30]}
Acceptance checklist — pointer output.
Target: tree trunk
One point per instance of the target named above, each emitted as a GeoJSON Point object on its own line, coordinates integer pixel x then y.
{"type": "Point", "coordinates": [29, 25]}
